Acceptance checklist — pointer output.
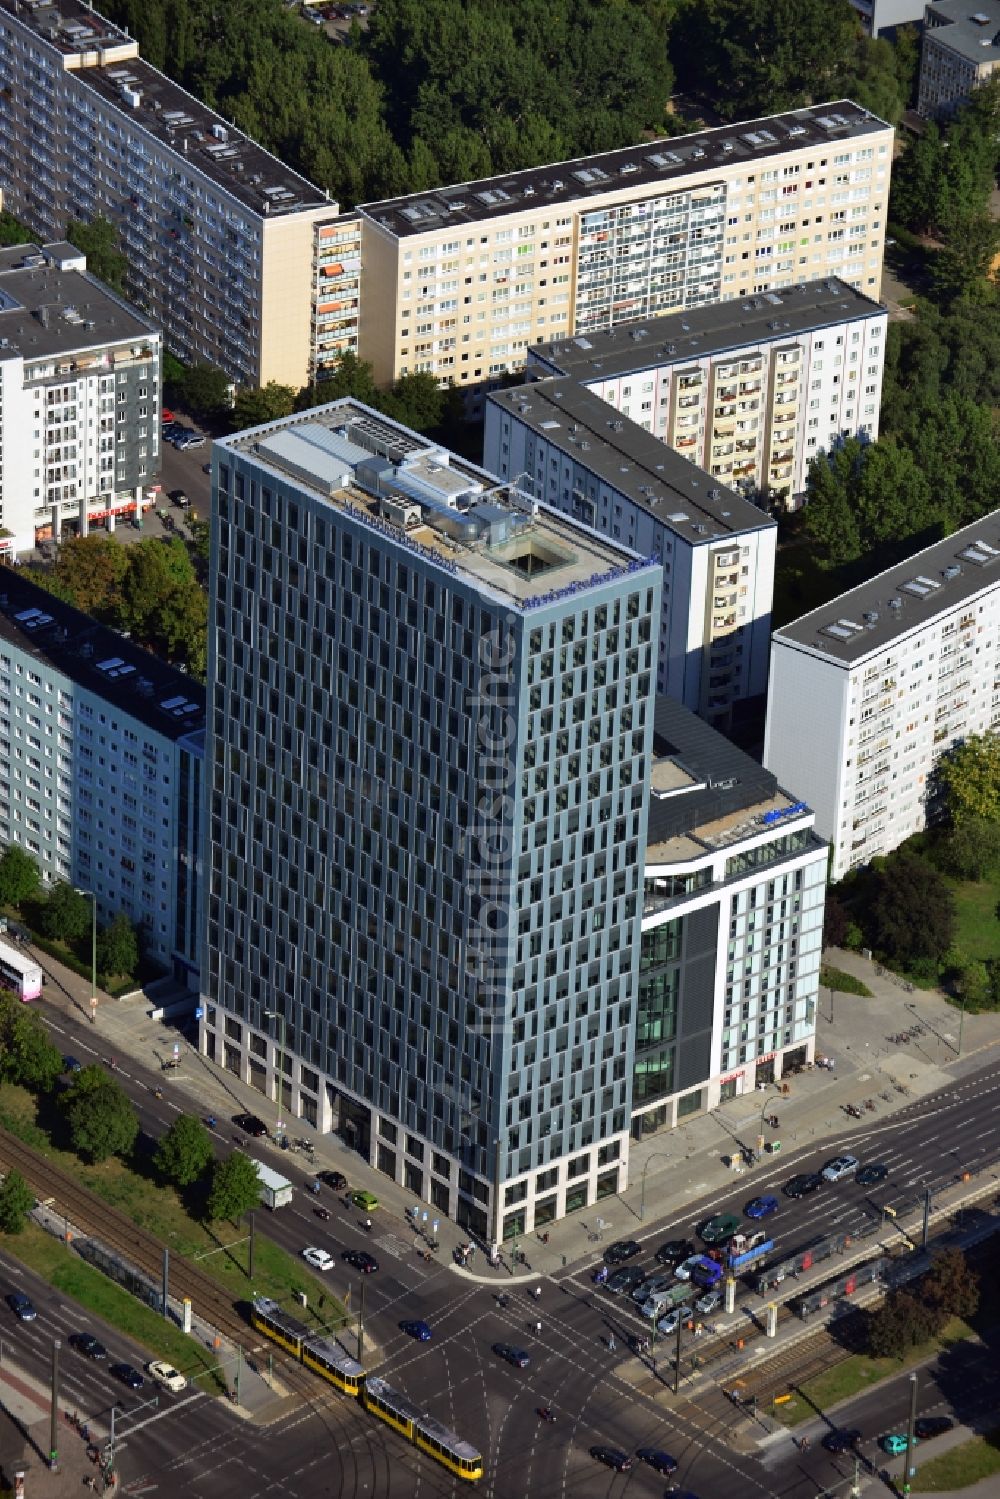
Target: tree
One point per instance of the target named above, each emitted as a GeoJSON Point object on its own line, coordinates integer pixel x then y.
{"type": "Point", "coordinates": [962, 267]}
{"type": "Point", "coordinates": [950, 1288]}
{"type": "Point", "coordinates": [350, 376]}
{"type": "Point", "coordinates": [912, 910]}
{"type": "Point", "coordinates": [235, 1188]}
{"type": "Point", "coordinates": [253, 407]}
{"type": "Point", "coordinates": [205, 391]}
{"type": "Point", "coordinates": [66, 915]}
{"type": "Point", "coordinates": [972, 852]}
{"type": "Point", "coordinates": [13, 232]}
{"type": "Point", "coordinates": [16, 1202]}
{"type": "Point", "coordinates": [27, 1055]}
{"type": "Point", "coordinates": [836, 920]}
{"type": "Point", "coordinates": [974, 986]}
{"type": "Point", "coordinates": [102, 1121]}
{"type": "Point", "coordinates": [901, 1322]}
{"type": "Point", "coordinates": [88, 574]}
{"type": "Point", "coordinates": [98, 240]}
{"type": "Point", "coordinates": [184, 1151]}
{"type": "Point", "coordinates": [162, 602]}
{"type": "Point", "coordinates": [19, 877]}
{"type": "Point", "coordinates": [118, 947]}
{"type": "Point", "coordinates": [415, 400]}
{"type": "Point", "coordinates": [968, 779]}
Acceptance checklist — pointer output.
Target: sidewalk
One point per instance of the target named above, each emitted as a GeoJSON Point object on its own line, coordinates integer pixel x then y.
{"type": "Point", "coordinates": [25, 1436]}
{"type": "Point", "coordinates": [668, 1169]}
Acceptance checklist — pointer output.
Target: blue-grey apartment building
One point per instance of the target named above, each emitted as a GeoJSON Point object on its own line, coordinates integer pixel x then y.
{"type": "Point", "coordinates": [101, 750]}
{"type": "Point", "coordinates": [429, 737]}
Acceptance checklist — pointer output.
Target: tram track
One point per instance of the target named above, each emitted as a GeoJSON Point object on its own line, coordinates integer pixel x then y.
{"type": "Point", "coordinates": [94, 1217]}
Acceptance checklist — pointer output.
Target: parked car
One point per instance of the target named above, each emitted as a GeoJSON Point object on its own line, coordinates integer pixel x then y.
{"type": "Point", "coordinates": [872, 1174]}
{"type": "Point", "coordinates": [649, 1285]}
{"type": "Point", "coordinates": [21, 1306]}
{"type": "Point", "coordinates": [802, 1184]}
{"type": "Point", "coordinates": [932, 1426]}
{"type": "Point", "coordinates": [193, 440]}
{"type": "Point", "coordinates": [180, 499]}
{"type": "Point", "coordinates": [839, 1167]}
{"type": "Point", "coordinates": [708, 1303]}
{"type": "Point", "coordinates": [512, 1355]}
{"type": "Point", "coordinates": [126, 1375]}
{"type": "Point", "coordinates": [624, 1249]}
{"type": "Point", "coordinates": [166, 1376]}
{"type": "Point", "coordinates": [319, 1259]}
{"type": "Point", "coordinates": [720, 1229]}
{"type": "Point", "coordinates": [166, 416]}
{"type": "Point", "coordinates": [250, 1125]}
{"type": "Point", "coordinates": [760, 1207]}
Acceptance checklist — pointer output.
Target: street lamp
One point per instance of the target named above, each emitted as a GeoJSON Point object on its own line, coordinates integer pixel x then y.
{"type": "Point", "coordinates": [763, 1110]}
{"type": "Point", "coordinates": [279, 1073]}
{"type": "Point", "coordinates": [657, 1155]}
{"type": "Point", "coordinates": [93, 950]}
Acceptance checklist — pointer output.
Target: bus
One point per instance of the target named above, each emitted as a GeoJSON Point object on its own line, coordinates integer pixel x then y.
{"type": "Point", "coordinates": [19, 973]}
{"type": "Point", "coordinates": [327, 1359]}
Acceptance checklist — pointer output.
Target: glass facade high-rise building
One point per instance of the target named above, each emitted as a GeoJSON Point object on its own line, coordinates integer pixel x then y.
{"type": "Point", "coordinates": [430, 726]}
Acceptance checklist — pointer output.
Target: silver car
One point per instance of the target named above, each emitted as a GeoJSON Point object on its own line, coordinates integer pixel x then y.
{"type": "Point", "coordinates": [673, 1319]}
{"type": "Point", "coordinates": [839, 1167]}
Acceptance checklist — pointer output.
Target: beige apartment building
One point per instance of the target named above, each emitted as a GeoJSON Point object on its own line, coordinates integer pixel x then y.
{"type": "Point", "coordinates": [460, 280]}
{"type": "Point", "coordinates": [225, 244]}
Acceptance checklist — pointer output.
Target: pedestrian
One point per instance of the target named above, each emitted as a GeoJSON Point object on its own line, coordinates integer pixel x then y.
{"type": "Point", "coordinates": [538, 1327]}
{"type": "Point", "coordinates": [537, 1293]}
{"type": "Point", "coordinates": [611, 1343]}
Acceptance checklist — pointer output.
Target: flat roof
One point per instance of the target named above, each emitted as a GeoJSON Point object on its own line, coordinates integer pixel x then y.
{"type": "Point", "coordinates": [904, 598]}
{"type": "Point", "coordinates": [706, 793]}
{"type": "Point", "coordinates": [970, 27]}
{"type": "Point", "coordinates": [451, 512]}
{"type": "Point", "coordinates": [129, 678]}
{"type": "Point", "coordinates": [652, 164]}
{"type": "Point", "coordinates": [47, 311]}
{"type": "Point", "coordinates": [683, 497]}
{"type": "Point", "coordinates": [680, 337]}
{"type": "Point", "coordinates": [148, 98]}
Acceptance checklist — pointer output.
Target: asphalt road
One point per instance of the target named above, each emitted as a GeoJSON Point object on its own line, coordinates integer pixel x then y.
{"type": "Point", "coordinates": [599, 1396]}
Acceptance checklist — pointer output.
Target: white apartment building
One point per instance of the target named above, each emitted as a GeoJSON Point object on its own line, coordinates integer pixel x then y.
{"type": "Point", "coordinates": [715, 548]}
{"type": "Point", "coordinates": [750, 391]}
{"type": "Point", "coordinates": [868, 691]}
{"type": "Point", "coordinates": [961, 48]}
{"type": "Point", "coordinates": [222, 240]}
{"type": "Point", "coordinates": [881, 16]}
{"type": "Point", "coordinates": [101, 750]}
{"type": "Point", "coordinates": [80, 399]}
{"type": "Point", "coordinates": [468, 277]}
{"type": "Point", "coordinates": [732, 927]}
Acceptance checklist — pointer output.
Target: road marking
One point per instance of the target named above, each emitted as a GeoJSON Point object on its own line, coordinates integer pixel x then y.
{"type": "Point", "coordinates": [175, 1405]}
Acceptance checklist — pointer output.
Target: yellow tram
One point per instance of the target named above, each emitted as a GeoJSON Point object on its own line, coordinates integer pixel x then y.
{"type": "Point", "coordinates": [327, 1359]}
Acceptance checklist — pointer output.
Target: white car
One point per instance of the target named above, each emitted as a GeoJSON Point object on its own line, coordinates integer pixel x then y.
{"type": "Point", "coordinates": [840, 1166]}
{"type": "Point", "coordinates": [320, 1259]}
{"type": "Point", "coordinates": [166, 1376]}
{"type": "Point", "coordinates": [674, 1318]}
{"type": "Point", "coordinates": [683, 1270]}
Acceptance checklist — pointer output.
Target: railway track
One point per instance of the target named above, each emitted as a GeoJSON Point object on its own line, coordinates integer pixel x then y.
{"type": "Point", "coordinates": [92, 1216]}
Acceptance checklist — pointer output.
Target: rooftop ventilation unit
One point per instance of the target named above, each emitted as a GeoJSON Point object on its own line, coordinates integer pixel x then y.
{"type": "Point", "coordinates": [954, 571]}
{"type": "Point", "coordinates": [871, 618]}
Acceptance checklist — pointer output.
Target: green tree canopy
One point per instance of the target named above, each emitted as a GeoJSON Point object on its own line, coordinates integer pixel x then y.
{"type": "Point", "coordinates": [968, 779]}
{"type": "Point", "coordinates": [971, 851]}
{"type": "Point", "coordinates": [118, 948]}
{"type": "Point", "coordinates": [253, 407]}
{"type": "Point", "coordinates": [204, 390]}
{"type": "Point", "coordinates": [102, 1121]}
{"type": "Point", "coordinates": [88, 574]}
{"type": "Point", "coordinates": [902, 1322]}
{"type": "Point", "coordinates": [66, 915]}
{"type": "Point", "coordinates": [913, 909]}
{"type": "Point", "coordinates": [13, 232]}
{"type": "Point", "coordinates": [27, 1055]}
{"type": "Point", "coordinates": [184, 1152]}
{"type": "Point", "coordinates": [950, 1286]}
{"type": "Point", "coordinates": [235, 1188]}
{"type": "Point", "coordinates": [98, 239]}
{"type": "Point", "coordinates": [16, 1202]}
{"type": "Point", "coordinates": [19, 877]}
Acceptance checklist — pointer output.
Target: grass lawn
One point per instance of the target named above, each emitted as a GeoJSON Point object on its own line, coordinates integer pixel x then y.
{"type": "Point", "coordinates": [978, 934]}
{"type": "Point", "coordinates": [859, 1373]}
{"type": "Point", "coordinates": [65, 1271]}
{"type": "Point", "coordinates": [963, 1465]}
{"type": "Point", "coordinates": [844, 983]}
{"type": "Point", "coordinates": [221, 1249]}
